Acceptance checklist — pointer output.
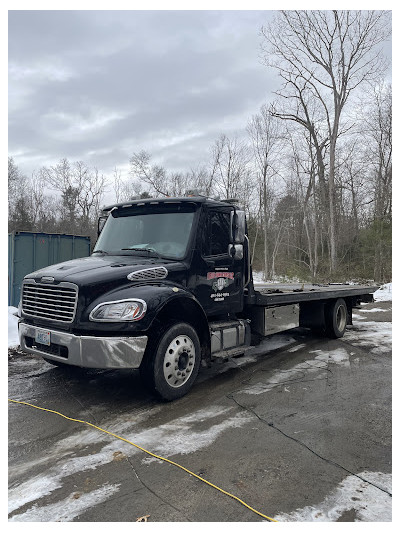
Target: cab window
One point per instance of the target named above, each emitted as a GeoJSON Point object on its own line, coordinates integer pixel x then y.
{"type": "Point", "coordinates": [216, 238]}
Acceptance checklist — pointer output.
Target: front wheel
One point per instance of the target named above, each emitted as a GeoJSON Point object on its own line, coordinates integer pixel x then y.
{"type": "Point", "coordinates": [171, 365]}
{"type": "Point", "coordinates": [336, 318]}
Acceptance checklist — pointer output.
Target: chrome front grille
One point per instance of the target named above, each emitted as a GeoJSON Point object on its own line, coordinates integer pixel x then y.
{"type": "Point", "coordinates": [52, 302]}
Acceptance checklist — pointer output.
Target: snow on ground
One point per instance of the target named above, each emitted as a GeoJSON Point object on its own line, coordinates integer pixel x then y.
{"type": "Point", "coordinates": [314, 366]}
{"type": "Point", "coordinates": [258, 279]}
{"type": "Point", "coordinates": [375, 334]}
{"type": "Point", "coordinates": [353, 499]}
{"type": "Point", "coordinates": [68, 509]}
{"type": "Point", "coordinates": [13, 340]}
{"type": "Point", "coordinates": [384, 293]}
{"type": "Point", "coordinates": [374, 310]}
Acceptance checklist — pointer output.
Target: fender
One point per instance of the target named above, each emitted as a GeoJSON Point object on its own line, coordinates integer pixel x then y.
{"type": "Point", "coordinates": [158, 297]}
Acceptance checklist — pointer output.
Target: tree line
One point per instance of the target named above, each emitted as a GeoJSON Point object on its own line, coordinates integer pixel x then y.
{"type": "Point", "coordinates": [313, 171]}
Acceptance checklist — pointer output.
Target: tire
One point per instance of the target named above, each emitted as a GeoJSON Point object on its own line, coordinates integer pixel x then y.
{"type": "Point", "coordinates": [171, 364]}
{"type": "Point", "coordinates": [336, 318]}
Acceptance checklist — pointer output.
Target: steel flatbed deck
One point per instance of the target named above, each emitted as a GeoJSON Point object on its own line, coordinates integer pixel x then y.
{"type": "Point", "coordinates": [270, 294]}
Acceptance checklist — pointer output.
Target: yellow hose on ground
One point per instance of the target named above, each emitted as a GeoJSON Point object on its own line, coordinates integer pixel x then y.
{"type": "Point", "coordinates": [149, 453]}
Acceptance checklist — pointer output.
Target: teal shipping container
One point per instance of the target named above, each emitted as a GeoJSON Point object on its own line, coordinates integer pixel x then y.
{"type": "Point", "coordinates": [29, 251]}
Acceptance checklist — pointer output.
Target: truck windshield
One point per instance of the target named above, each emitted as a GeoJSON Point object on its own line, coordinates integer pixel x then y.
{"type": "Point", "coordinates": [165, 234]}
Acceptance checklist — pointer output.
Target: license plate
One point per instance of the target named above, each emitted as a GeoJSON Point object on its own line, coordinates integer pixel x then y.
{"type": "Point", "coordinates": [42, 336]}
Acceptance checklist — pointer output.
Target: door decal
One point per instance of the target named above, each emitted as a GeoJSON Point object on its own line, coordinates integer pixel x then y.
{"type": "Point", "coordinates": [221, 281]}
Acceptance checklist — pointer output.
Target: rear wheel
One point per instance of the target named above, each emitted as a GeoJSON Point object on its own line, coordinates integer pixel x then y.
{"type": "Point", "coordinates": [336, 318]}
{"type": "Point", "coordinates": [171, 365]}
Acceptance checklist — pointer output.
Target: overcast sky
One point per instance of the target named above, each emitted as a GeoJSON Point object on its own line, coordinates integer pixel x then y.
{"type": "Point", "coordinates": [97, 86]}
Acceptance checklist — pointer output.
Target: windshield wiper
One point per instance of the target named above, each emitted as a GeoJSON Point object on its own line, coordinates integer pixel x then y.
{"type": "Point", "coordinates": [100, 252]}
{"type": "Point", "coordinates": [148, 250]}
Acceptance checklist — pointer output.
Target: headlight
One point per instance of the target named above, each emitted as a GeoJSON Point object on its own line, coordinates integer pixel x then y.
{"type": "Point", "coordinates": [119, 311]}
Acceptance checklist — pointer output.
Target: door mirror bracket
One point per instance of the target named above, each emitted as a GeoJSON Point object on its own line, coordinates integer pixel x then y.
{"type": "Point", "coordinates": [238, 226]}
{"type": "Point", "coordinates": [236, 251]}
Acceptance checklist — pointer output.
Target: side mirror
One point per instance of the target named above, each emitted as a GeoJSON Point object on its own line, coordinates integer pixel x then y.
{"type": "Point", "coordinates": [100, 224]}
{"type": "Point", "coordinates": [238, 227]}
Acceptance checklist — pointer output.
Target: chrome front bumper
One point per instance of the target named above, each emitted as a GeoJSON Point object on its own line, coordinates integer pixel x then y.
{"type": "Point", "coordinates": [86, 351]}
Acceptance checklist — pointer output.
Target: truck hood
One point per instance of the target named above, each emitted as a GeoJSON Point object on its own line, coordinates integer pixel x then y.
{"type": "Point", "coordinates": [95, 269]}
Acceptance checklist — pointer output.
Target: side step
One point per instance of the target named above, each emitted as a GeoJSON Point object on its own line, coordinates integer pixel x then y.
{"type": "Point", "coordinates": [229, 338]}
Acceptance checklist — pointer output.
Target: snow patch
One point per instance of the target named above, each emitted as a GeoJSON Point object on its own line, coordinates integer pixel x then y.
{"type": "Point", "coordinates": [179, 436]}
{"type": "Point", "coordinates": [384, 293]}
{"type": "Point", "coordinates": [296, 348]}
{"type": "Point", "coordinates": [183, 436]}
{"type": "Point", "coordinates": [258, 278]}
{"type": "Point", "coordinates": [69, 508]}
{"type": "Point", "coordinates": [35, 488]}
{"type": "Point", "coordinates": [339, 356]}
{"type": "Point", "coordinates": [362, 501]}
{"type": "Point", "coordinates": [13, 339]}
{"type": "Point", "coordinates": [375, 335]}
{"type": "Point", "coordinates": [374, 310]}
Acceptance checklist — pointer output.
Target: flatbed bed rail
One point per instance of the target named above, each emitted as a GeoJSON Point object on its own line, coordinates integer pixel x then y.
{"type": "Point", "coordinates": [279, 294]}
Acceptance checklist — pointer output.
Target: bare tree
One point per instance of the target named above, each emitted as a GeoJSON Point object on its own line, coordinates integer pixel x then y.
{"type": "Point", "coordinates": [92, 186]}
{"type": "Point", "coordinates": [14, 179]}
{"type": "Point", "coordinates": [380, 131]}
{"type": "Point", "coordinates": [304, 174]}
{"type": "Point", "coordinates": [325, 56]}
{"type": "Point", "coordinates": [81, 189]}
{"type": "Point", "coordinates": [153, 175]}
{"type": "Point", "coordinates": [117, 184]}
{"type": "Point", "coordinates": [20, 210]}
{"type": "Point", "coordinates": [230, 164]}
{"type": "Point", "coordinates": [266, 139]}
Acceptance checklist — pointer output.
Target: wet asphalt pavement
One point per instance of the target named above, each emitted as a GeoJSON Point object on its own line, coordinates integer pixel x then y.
{"type": "Point", "coordinates": [299, 429]}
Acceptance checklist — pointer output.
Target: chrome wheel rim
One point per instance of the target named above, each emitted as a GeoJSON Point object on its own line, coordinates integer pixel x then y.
{"type": "Point", "coordinates": [179, 361]}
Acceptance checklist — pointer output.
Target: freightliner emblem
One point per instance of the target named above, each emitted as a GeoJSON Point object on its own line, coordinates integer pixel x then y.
{"type": "Point", "coordinates": [47, 279]}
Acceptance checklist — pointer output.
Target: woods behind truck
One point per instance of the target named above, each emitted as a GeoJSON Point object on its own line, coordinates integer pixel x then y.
{"type": "Point", "coordinates": [169, 284]}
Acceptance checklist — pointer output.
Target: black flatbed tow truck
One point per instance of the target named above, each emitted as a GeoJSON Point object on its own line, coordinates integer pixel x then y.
{"type": "Point", "coordinates": [169, 284]}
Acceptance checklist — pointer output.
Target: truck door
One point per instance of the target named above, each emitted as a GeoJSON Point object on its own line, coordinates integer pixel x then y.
{"type": "Point", "coordinates": [220, 276]}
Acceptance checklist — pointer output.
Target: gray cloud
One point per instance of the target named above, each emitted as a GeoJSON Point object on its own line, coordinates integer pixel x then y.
{"type": "Point", "coordinates": [98, 85]}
